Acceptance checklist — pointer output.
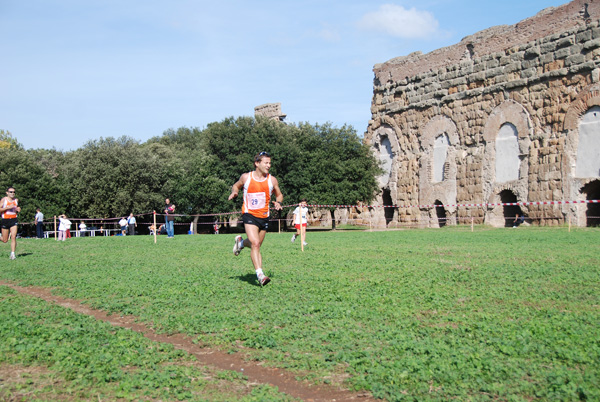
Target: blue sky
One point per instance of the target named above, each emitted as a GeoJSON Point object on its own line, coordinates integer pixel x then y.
{"type": "Point", "coordinates": [77, 70]}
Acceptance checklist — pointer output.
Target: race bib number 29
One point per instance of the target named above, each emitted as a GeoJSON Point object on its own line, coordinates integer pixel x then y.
{"type": "Point", "coordinates": [256, 200]}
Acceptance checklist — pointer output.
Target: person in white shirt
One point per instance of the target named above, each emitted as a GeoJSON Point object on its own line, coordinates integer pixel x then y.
{"type": "Point", "coordinates": [82, 228]}
{"type": "Point", "coordinates": [123, 224]}
{"type": "Point", "coordinates": [39, 224]}
{"type": "Point", "coordinates": [300, 214]}
{"type": "Point", "coordinates": [131, 224]}
{"type": "Point", "coordinates": [63, 226]}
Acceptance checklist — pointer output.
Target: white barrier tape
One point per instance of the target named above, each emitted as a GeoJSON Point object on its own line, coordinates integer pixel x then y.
{"type": "Point", "coordinates": [362, 206]}
{"type": "Point", "coordinates": [460, 205]}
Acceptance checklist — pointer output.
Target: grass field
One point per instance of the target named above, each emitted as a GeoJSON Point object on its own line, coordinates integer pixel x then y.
{"type": "Point", "coordinates": [495, 314]}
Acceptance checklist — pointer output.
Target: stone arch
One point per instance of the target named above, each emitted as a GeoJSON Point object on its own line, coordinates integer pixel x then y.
{"type": "Point", "coordinates": [588, 148]}
{"type": "Point", "coordinates": [509, 211]}
{"type": "Point", "coordinates": [592, 192]}
{"type": "Point", "coordinates": [508, 115]}
{"type": "Point", "coordinates": [436, 126]}
{"type": "Point", "coordinates": [508, 112]}
{"type": "Point", "coordinates": [584, 101]}
{"type": "Point", "coordinates": [429, 189]}
{"type": "Point", "coordinates": [440, 212]}
{"type": "Point", "coordinates": [496, 215]}
{"type": "Point", "coordinates": [588, 99]}
{"type": "Point", "coordinates": [387, 149]}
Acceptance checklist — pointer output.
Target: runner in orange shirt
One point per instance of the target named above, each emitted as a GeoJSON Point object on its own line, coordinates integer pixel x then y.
{"type": "Point", "coordinates": [9, 207]}
{"type": "Point", "coordinates": [258, 186]}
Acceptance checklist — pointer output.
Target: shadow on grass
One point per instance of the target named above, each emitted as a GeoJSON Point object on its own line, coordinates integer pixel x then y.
{"type": "Point", "coordinates": [23, 254]}
{"type": "Point", "coordinates": [249, 278]}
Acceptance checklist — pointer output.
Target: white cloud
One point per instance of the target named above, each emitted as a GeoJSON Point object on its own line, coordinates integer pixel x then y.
{"type": "Point", "coordinates": [329, 35]}
{"type": "Point", "coordinates": [400, 22]}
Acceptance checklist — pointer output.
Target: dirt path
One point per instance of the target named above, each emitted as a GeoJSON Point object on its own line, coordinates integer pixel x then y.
{"type": "Point", "coordinates": [255, 372]}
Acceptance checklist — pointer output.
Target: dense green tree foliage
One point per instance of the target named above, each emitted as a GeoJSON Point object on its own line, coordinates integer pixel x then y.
{"type": "Point", "coordinates": [196, 188]}
{"type": "Point", "coordinates": [334, 166]}
{"type": "Point", "coordinates": [235, 142]}
{"type": "Point", "coordinates": [113, 177]}
{"type": "Point", "coordinates": [34, 185]}
{"type": "Point", "coordinates": [200, 191]}
{"type": "Point", "coordinates": [320, 162]}
{"type": "Point", "coordinates": [195, 168]}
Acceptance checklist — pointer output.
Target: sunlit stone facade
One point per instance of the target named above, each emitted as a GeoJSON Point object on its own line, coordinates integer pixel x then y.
{"type": "Point", "coordinates": [509, 114]}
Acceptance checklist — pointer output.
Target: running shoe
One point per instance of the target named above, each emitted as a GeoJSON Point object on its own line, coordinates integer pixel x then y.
{"type": "Point", "coordinates": [264, 280]}
{"type": "Point", "coordinates": [293, 238]}
{"type": "Point", "coordinates": [236, 245]}
{"type": "Point", "coordinates": [12, 256]}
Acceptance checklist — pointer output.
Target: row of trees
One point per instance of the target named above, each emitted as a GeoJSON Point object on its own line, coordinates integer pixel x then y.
{"type": "Point", "coordinates": [112, 177]}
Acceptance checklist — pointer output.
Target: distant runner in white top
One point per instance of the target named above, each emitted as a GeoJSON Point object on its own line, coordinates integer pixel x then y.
{"type": "Point", "coordinates": [300, 214]}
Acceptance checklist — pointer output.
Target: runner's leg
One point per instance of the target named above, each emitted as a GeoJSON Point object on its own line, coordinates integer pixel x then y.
{"type": "Point", "coordinates": [13, 238]}
{"type": "Point", "coordinates": [254, 241]}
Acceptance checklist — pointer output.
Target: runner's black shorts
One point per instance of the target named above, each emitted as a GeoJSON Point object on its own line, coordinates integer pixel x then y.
{"type": "Point", "coordinates": [9, 223]}
{"type": "Point", "coordinates": [262, 223]}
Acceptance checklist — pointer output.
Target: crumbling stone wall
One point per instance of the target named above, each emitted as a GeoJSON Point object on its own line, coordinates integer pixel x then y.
{"type": "Point", "coordinates": [270, 110]}
{"type": "Point", "coordinates": [539, 76]}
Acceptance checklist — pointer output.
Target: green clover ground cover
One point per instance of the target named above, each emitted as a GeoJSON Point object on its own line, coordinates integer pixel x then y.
{"type": "Point", "coordinates": [69, 356]}
{"type": "Point", "coordinates": [408, 315]}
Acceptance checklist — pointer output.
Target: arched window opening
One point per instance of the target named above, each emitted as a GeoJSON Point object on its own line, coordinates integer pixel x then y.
{"type": "Point", "coordinates": [592, 191]}
{"type": "Point", "coordinates": [440, 213]}
{"type": "Point", "coordinates": [440, 153]}
{"type": "Point", "coordinates": [386, 156]}
{"type": "Point", "coordinates": [507, 154]}
{"type": "Point", "coordinates": [588, 149]}
{"type": "Point", "coordinates": [510, 211]}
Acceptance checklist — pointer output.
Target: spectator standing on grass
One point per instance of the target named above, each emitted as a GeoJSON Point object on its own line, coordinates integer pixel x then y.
{"type": "Point", "coordinates": [68, 231]}
{"type": "Point", "coordinates": [300, 220]}
{"type": "Point", "coordinates": [258, 186]}
{"type": "Point", "coordinates": [82, 228]}
{"type": "Point", "coordinates": [170, 218]}
{"type": "Point", "coordinates": [123, 225]}
{"type": "Point", "coordinates": [9, 207]}
{"type": "Point", "coordinates": [39, 223]}
{"type": "Point", "coordinates": [131, 224]}
{"type": "Point", "coordinates": [64, 224]}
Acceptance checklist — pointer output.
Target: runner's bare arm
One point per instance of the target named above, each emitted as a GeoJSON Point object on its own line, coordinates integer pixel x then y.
{"type": "Point", "coordinates": [235, 189]}
{"type": "Point", "coordinates": [278, 195]}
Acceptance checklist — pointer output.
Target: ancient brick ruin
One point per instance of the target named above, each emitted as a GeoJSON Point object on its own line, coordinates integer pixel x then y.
{"type": "Point", "coordinates": [509, 114]}
{"type": "Point", "coordinates": [270, 110]}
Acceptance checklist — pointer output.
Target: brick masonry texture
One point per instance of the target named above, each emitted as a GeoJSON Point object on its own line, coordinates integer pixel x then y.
{"type": "Point", "coordinates": [541, 75]}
